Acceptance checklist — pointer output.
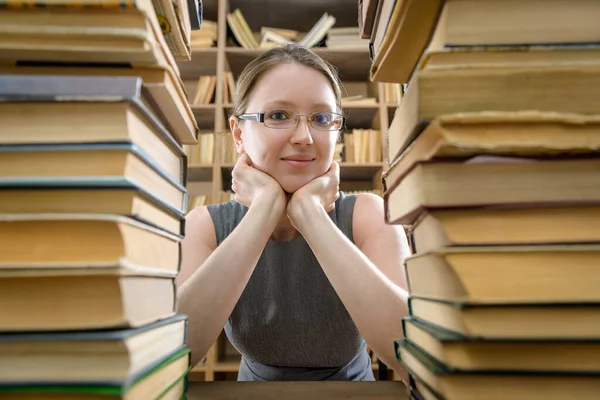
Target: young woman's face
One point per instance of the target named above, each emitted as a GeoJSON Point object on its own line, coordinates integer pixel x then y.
{"type": "Point", "coordinates": [292, 156]}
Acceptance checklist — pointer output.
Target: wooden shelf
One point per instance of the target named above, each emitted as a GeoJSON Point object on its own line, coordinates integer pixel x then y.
{"type": "Point", "coordinates": [203, 62]}
{"type": "Point", "coordinates": [300, 15]}
{"type": "Point", "coordinates": [228, 364]}
{"type": "Point", "coordinates": [205, 115]}
{"type": "Point", "coordinates": [360, 116]}
{"type": "Point", "coordinates": [199, 173]}
{"type": "Point", "coordinates": [352, 65]}
{"type": "Point", "coordinates": [359, 172]}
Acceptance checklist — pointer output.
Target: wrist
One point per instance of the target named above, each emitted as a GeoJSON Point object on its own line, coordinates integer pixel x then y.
{"type": "Point", "coordinates": [268, 195]}
{"type": "Point", "coordinates": [303, 210]}
{"type": "Point", "coordinates": [271, 203]}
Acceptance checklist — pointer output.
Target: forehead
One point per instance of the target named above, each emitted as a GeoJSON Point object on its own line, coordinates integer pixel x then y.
{"type": "Point", "coordinates": [294, 85]}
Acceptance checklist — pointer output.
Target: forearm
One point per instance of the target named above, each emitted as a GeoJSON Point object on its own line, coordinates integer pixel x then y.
{"type": "Point", "coordinates": [211, 292]}
{"type": "Point", "coordinates": [361, 286]}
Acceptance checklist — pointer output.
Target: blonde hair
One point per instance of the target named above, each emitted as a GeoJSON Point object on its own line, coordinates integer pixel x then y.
{"type": "Point", "coordinates": [288, 54]}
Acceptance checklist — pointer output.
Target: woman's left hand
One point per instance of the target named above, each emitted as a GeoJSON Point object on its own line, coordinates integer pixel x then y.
{"type": "Point", "coordinates": [320, 192]}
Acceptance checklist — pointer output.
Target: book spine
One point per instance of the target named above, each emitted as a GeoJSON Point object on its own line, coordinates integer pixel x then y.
{"type": "Point", "coordinates": [29, 4]}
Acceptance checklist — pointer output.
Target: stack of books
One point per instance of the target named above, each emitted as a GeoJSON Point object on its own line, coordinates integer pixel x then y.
{"type": "Point", "coordinates": [494, 169]}
{"type": "Point", "coordinates": [92, 200]}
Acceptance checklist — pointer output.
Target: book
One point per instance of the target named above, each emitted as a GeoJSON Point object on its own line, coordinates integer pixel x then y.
{"type": "Point", "coordinates": [516, 22]}
{"type": "Point", "coordinates": [142, 89]}
{"type": "Point", "coordinates": [512, 274]}
{"type": "Point", "coordinates": [195, 10]}
{"type": "Point", "coordinates": [542, 321]}
{"type": "Point", "coordinates": [491, 182]}
{"type": "Point", "coordinates": [91, 197]}
{"type": "Point", "coordinates": [510, 354]}
{"type": "Point", "coordinates": [86, 32]}
{"type": "Point", "coordinates": [502, 133]}
{"type": "Point", "coordinates": [366, 17]}
{"type": "Point", "coordinates": [242, 33]}
{"type": "Point", "coordinates": [435, 93]}
{"type": "Point", "coordinates": [166, 380]}
{"type": "Point", "coordinates": [175, 25]}
{"type": "Point", "coordinates": [484, 226]}
{"type": "Point", "coordinates": [414, 28]}
{"type": "Point", "coordinates": [70, 299]}
{"type": "Point", "coordinates": [510, 56]}
{"type": "Point", "coordinates": [87, 241]}
{"type": "Point", "coordinates": [114, 164]}
{"type": "Point", "coordinates": [105, 356]}
{"type": "Point", "coordinates": [449, 383]}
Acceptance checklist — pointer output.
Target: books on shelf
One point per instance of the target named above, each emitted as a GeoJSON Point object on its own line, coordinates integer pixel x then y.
{"type": "Point", "coordinates": [94, 177]}
{"type": "Point", "coordinates": [322, 33]}
{"type": "Point", "coordinates": [203, 152]}
{"type": "Point", "coordinates": [203, 91]}
{"type": "Point", "coordinates": [362, 146]}
{"type": "Point", "coordinates": [318, 32]}
{"type": "Point", "coordinates": [205, 37]}
{"type": "Point", "coordinates": [493, 168]}
{"type": "Point", "coordinates": [241, 30]}
{"type": "Point", "coordinates": [346, 38]}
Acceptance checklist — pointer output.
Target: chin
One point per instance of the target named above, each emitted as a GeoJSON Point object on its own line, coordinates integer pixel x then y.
{"type": "Point", "coordinates": [291, 185]}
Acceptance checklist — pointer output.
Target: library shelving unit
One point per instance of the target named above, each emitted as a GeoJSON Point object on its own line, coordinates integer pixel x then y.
{"type": "Point", "coordinates": [210, 179]}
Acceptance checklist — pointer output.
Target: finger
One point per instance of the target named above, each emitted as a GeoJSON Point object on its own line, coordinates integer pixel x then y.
{"type": "Point", "coordinates": [334, 169]}
{"type": "Point", "coordinates": [244, 160]}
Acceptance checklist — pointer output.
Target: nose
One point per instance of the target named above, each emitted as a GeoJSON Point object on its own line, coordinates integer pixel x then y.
{"type": "Point", "coordinates": [301, 135]}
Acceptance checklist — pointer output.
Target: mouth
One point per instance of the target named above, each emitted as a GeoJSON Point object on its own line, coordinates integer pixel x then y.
{"type": "Point", "coordinates": [298, 161]}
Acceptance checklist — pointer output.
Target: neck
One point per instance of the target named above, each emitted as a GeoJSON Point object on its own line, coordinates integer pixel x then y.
{"type": "Point", "coordinates": [284, 231]}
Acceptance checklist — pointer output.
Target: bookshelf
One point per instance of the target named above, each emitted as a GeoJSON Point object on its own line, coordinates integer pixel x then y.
{"type": "Point", "coordinates": [212, 179]}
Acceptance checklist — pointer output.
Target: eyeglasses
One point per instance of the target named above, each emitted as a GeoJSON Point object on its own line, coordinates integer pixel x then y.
{"type": "Point", "coordinates": [288, 119]}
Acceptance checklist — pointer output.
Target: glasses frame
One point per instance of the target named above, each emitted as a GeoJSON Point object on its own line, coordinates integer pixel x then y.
{"type": "Point", "coordinates": [260, 117]}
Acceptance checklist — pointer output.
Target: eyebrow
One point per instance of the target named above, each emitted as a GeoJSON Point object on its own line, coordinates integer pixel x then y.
{"type": "Point", "coordinates": [287, 103]}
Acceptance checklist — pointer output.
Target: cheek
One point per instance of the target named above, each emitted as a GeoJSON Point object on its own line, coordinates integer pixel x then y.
{"type": "Point", "coordinates": [263, 147]}
{"type": "Point", "coordinates": [326, 145]}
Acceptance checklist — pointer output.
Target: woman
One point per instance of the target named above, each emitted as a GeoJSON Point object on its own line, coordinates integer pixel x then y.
{"type": "Point", "coordinates": [297, 272]}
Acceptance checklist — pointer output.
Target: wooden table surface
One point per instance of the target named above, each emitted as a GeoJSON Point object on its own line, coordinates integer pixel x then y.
{"type": "Point", "coordinates": [327, 390]}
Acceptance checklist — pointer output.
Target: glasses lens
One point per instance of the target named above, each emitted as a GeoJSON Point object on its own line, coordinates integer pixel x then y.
{"type": "Point", "coordinates": [327, 121]}
{"type": "Point", "coordinates": [280, 119]}
{"type": "Point", "coordinates": [284, 119]}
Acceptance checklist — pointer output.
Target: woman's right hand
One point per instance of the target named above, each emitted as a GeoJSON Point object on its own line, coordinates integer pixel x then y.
{"type": "Point", "coordinates": [250, 183]}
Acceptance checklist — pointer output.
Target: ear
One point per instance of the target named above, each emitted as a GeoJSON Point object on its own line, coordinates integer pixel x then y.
{"type": "Point", "coordinates": [236, 131]}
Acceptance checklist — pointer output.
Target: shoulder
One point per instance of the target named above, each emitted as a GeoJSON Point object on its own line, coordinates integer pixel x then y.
{"type": "Point", "coordinates": [369, 220]}
{"type": "Point", "coordinates": [225, 217]}
{"type": "Point", "coordinates": [198, 242]}
{"type": "Point", "coordinates": [198, 225]}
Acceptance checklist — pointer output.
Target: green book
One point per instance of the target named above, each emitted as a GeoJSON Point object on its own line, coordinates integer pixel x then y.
{"type": "Point", "coordinates": [168, 377]}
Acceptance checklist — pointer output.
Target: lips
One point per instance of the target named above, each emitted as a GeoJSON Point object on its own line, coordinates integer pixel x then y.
{"type": "Point", "coordinates": [298, 160]}
{"type": "Point", "coordinates": [298, 157]}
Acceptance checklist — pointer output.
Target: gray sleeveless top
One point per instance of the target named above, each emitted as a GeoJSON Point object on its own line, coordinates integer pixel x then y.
{"type": "Point", "coordinates": [289, 323]}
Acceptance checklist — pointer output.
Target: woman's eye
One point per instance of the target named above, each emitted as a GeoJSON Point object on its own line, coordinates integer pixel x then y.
{"type": "Point", "coordinates": [322, 119]}
{"type": "Point", "coordinates": [278, 115]}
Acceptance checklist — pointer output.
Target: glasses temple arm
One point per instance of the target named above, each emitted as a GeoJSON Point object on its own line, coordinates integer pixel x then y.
{"type": "Point", "coordinates": [259, 117]}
